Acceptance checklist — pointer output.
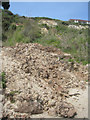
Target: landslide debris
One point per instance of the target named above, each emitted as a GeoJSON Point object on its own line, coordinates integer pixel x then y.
{"type": "Point", "coordinates": [38, 81]}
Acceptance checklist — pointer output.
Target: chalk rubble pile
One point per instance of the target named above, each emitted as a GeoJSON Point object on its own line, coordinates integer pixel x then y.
{"type": "Point", "coordinates": [38, 81]}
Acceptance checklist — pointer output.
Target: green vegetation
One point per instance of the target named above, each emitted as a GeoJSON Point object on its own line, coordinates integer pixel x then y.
{"type": "Point", "coordinates": [39, 18]}
{"type": "Point", "coordinates": [86, 80]}
{"type": "Point", "coordinates": [11, 96]}
{"type": "Point", "coordinates": [69, 40]}
{"type": "Point", "coordinates": [3, 80]}
{"type": "Point", "coordinates": [12, 93]}
{"type": "Point", "coordinates": [71, 60]}
{"type": "Point", "coordinates": [49, 40]}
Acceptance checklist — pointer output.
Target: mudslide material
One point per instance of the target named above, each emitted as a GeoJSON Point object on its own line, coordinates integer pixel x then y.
{"type": "Point", "coordinates": [38, 81]}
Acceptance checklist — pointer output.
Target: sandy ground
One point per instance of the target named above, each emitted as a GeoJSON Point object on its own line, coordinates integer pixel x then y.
{"type": "Point", "coordinates": [79, 98]}
{"type": "Point", "coordinates": [80, 101]}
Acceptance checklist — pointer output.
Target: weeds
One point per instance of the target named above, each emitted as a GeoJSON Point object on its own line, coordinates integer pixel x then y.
{"type": "Point", "coordinates": [11, 96]}
{"type": "Point", "coordinates": [3, 80]}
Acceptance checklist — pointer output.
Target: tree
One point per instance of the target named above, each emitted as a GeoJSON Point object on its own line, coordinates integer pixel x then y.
{"type": "Point", "coordinates": [5, 5]}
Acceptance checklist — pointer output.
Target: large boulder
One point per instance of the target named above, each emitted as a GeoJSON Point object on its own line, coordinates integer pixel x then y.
{"type": "Point", "coordinates": [65, 109]}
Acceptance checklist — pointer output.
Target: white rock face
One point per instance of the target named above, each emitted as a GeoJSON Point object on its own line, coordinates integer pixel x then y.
{"type": "Point", "coordinates": [48, 22]}
{"type": "Point", "coordinates": [78, 27]}
{"type": "Point", "coordinates": [44, 30]}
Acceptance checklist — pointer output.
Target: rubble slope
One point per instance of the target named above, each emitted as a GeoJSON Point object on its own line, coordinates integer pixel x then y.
{"type": "Point", "coordinates": [38, 81]}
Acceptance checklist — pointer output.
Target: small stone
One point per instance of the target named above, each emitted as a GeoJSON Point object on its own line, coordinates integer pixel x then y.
{"type": "Point", "coordinates": [51, 103]}
{"type": "Point", "coordinates": [50, 82]}
{"type": "Point", "coordinates": [71, 113]}
{"type": "Point", "coordinates": [46, 108]}
{"type": "Point", "coordinates": [52, 112]}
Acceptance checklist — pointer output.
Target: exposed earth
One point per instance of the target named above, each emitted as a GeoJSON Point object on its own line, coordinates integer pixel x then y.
{"type": "Point", "coordinates": [41, 82]}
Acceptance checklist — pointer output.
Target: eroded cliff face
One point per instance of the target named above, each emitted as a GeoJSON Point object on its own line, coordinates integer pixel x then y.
{"type": "Point", "coordinates": [38, 81]}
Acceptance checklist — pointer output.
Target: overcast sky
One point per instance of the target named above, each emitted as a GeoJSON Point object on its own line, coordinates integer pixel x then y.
{"type": "Point", "coordinates": [57, 10]}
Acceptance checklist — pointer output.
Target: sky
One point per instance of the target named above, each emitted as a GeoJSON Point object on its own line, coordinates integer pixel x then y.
{"type": "Point", "coordinates": [57, 10]}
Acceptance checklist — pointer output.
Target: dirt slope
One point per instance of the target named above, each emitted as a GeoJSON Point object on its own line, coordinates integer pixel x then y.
{"type": "Point", "coordinates": [38, 81]}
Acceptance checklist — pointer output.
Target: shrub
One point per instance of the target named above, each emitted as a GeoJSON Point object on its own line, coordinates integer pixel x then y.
{"type": "Point", "coordinates": [13, 27]}
{"type": "Point", "coordinates": [65, 23]}
{"type": "Point", "coordinates": [32, 31]}
{"type": "Point", "coordinates": [4, 37]}
{"type": "Point", "coordinates": [61, 28]}
{"type": "Point", "coordinates": [45, 25]}
{"type": "Point", "coordinates": [49, 40]}
{"type": "Point", "coordinates": [6, 25]}
{"type": "Point", "coordinates": [8, 12]}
